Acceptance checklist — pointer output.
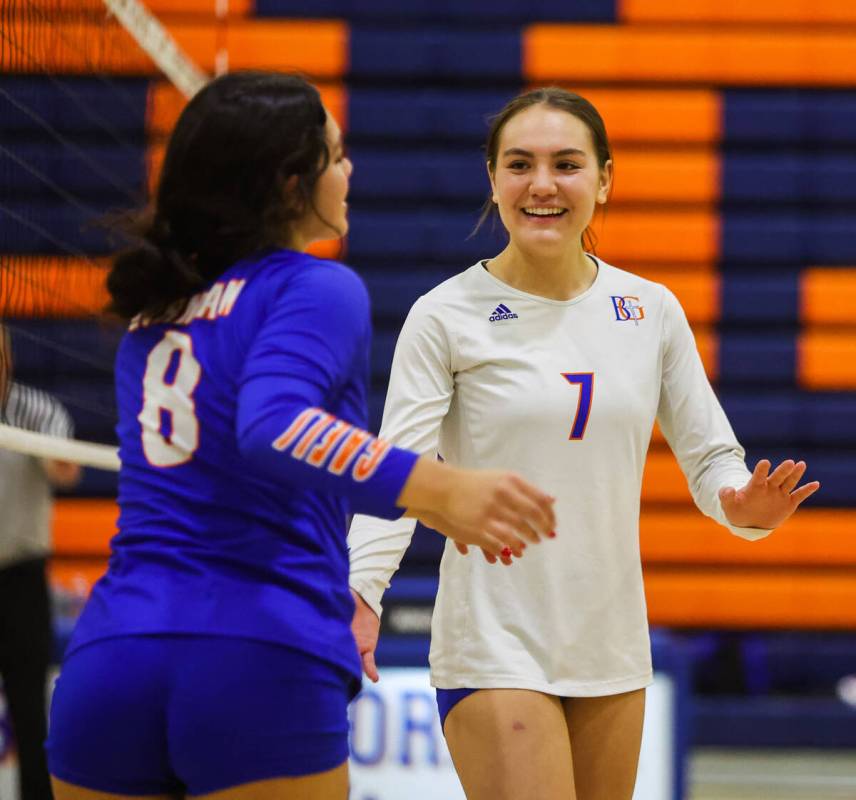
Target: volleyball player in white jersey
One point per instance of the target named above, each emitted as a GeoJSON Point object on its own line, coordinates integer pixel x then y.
{"type": "Point", "coordinates": [547, 360]}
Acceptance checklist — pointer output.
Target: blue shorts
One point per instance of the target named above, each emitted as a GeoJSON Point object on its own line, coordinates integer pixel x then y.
{"type": "Point", "coordinates": [447, 699]}
{"type": "Point", "coordinates": [143, 715]}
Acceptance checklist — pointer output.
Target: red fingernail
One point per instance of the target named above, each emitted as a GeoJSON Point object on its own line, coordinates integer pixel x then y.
{"type": "Point", "coordinates": [552, 534]}
{"type": "Point", "coordinates": [506, 552]}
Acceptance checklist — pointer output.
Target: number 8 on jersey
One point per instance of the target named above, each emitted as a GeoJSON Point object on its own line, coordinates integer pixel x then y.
{"type": "Point", "coordinates": [170, 399]}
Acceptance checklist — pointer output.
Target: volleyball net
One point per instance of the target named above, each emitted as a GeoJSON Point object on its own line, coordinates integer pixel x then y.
{"type": "Point", "coordinates": [88, 92]}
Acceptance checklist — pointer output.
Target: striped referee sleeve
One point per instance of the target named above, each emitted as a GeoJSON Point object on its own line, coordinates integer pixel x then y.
{"type": "Point", "coordinates": [35, 410]}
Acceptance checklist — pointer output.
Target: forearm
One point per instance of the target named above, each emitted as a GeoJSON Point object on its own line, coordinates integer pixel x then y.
{"type": "Point", "coordinates": [312, 448]}
{"type": "Point", "coordinates": [376, 548]}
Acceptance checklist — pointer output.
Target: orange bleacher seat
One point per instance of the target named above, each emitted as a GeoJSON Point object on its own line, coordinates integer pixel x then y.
{"type": "Point", "coordinates": [826, 360]}
{"type": "Point", "coordinates": [697, 291]}
{"type": "Point", "coordinates": [316, 48]}
{"type": "Point", "coordinates": [665, 176]}
{"type": "Point", "coordinates": [206, 8]}
{"type": "Point", "coordinates": [658, 236]}
{"type": "Point", "coordinates": [827, 295]}
{"type": "Point", "coordinates": [699, 575]}
{"type": "Point", "coordinates": [740, 598]}
{"type": "Point", "coordinates": [685, 116]}
{"type": "Point", "coordinates": [685, 536]}
{"type": "Point", "coordinates": [696, 573]}
{"type": "Point", "coordinates": [777, 12]}
{"type": "Point", "coordinates": [83, 527]}
{"type": "Point", "coordinates": [663, 481]}
{"type": "Point", "coordinates": [681, 54]}
{"type": "Point", "coordinates": [55, 287]}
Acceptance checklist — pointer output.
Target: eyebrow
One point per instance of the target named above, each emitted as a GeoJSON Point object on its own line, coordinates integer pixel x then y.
{"type": "Point", "coordinates": [568, 151]}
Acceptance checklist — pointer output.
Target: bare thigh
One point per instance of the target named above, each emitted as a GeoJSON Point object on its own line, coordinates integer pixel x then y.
{"type": "Point", "coordinates": [508, 744]}
{"type": "Point", "coordinates": [330, 785]}
{"type": "Point", "coordinates": [605, 735]}
{"type": "Point", "coordinates": [68, 791]}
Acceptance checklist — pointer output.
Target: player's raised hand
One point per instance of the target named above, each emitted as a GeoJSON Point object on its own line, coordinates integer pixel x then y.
{"type": "Point", "coordinates": [495, 510]}
{"type": "Point", "coordinates": [366, 628]}
{"type": "Point", "coordinates": [769, 498]}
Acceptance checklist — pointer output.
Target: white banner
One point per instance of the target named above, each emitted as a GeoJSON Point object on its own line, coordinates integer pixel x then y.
{"type": "Point", "coordinates": [398, 750]}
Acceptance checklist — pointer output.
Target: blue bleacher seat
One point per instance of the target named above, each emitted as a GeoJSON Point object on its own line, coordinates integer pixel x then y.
{"type": "Point", "coordinates": [772, 298]}
{"type": "Point", "coordinates": [64, 348]}
{"type": "Point", "coordinates": [53, 228]}
{"type": "Point", "coordinates": [789, 116]}
{"type": "Point", "coordinates": [98, 108]}
{"type": "Point", "coordinates": [770, 722]}
{"type": "Point", "coordinates": [755, 358]}
{"type": "Point", "coordinates": [792, 662]}
{"type": "Point", "coordinates": [393, 292]}
{"type": "Point", "coordinates": [812, 419]}
{"type": "Point", "coordinates": [832, 421]}
{"type": "Point", "coordinates": [383, 346]}
{"type": "Point", "coordinates": [421, 237]}
{"type": "Point", "coordinates": [438, 115]}
{"type": "Point", "coordinates": [97, 483]}
{"type": "Point", "coordinates": [392, 11]}
{"type": "Point", "coordinates": [420, 176]}
{"type": "Point", "coordinates": [805, 178]}
{"type": "Point", "coordinates": [835, 469]}
{"type": "Point", "coordinates": [763, 419]}
{"type": "Point", "coordinates": [450, 55]}
{"type": "Point", "coordinates": [110, 175]}
{"type": "Point", "coordinates": [788, 238]}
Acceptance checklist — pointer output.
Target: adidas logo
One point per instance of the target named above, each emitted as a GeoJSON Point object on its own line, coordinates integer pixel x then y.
{"type": "Point", "coordinates": [501, 312]}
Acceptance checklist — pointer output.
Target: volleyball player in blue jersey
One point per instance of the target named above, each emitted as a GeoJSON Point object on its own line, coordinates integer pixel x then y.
{"type": "Point", "coordinates": [215, 658]}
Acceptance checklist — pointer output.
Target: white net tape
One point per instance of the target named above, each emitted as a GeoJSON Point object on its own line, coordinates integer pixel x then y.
{"type": "Point", "coordinates": [87, 454]}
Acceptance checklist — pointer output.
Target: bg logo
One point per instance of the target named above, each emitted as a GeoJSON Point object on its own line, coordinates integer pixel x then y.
{"type": "Point", "coordinates": [627, 309]}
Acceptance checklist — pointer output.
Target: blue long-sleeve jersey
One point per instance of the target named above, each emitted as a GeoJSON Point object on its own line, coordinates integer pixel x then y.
{"type": "Point", "coordinates": [243, 449]}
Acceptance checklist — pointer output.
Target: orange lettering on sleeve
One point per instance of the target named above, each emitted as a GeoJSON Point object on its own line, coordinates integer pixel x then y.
{"type": "Point", "coordinates": [370, 460]}
{"type": "Point", "coordinates": [348, 450]}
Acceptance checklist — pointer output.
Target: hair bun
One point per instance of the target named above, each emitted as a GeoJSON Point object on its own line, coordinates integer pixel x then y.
{"type": "Point", "coordinates": [149, 276]}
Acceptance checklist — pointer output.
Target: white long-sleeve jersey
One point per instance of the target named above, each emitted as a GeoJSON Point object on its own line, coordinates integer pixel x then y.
{"type": "Point", "coordinates": [565, 393]}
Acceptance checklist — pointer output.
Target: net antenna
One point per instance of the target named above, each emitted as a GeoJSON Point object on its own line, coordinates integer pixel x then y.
{"type": "Point", "coordinates": [152, 37]}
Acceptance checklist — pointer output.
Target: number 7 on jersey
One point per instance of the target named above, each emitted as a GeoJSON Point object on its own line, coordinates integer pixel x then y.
{"type": "Point", "coordinates": [585, 380]}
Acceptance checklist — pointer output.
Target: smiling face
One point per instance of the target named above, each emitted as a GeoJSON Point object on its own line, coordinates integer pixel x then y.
{"type": "Point", "coordinates": [547, 181]}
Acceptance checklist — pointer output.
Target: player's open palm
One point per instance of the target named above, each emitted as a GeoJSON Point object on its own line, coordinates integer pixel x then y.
{"type": "Point", "coordinates": [769, 498]}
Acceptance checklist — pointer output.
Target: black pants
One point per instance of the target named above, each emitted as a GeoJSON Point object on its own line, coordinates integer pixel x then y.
{"type": "Point", "coordinates": [25, 653]}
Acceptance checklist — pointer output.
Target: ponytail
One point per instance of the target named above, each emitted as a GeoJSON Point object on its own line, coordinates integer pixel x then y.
{"type": "Point", "coordinates": [151, 277]}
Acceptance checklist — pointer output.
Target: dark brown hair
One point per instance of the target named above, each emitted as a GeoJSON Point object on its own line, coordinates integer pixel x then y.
{"type": "Point", "coordinates": [560, 99]}
{"type": "Point", "coordinates": [221, 195]}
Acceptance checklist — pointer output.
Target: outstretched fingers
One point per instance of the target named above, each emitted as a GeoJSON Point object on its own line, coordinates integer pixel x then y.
{"type": "Point", "coordinates": [760, 473]}
{"type": "Point", "coordinates": [791, 481]}
{"type": "Point", "coordinates": [804, 492]}
{"type": "Point", "coordinates": [781, 473]}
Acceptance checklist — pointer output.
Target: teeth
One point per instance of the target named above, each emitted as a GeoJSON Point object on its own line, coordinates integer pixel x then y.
{"type": "Point", "coordinates": [544, 212]}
